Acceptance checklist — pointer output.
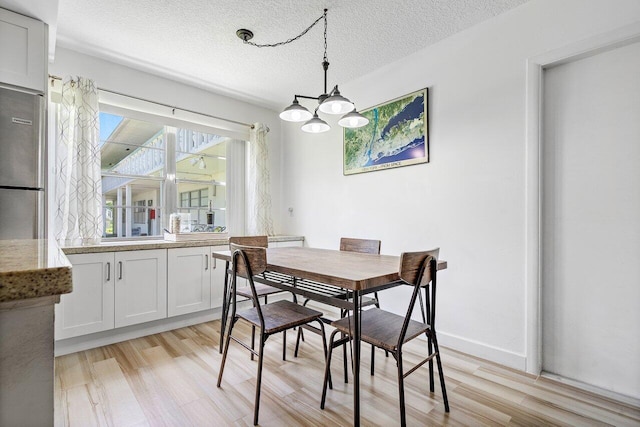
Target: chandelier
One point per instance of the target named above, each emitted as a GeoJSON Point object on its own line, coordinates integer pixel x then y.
{"type": "Point", "coordinates": [328, 102]}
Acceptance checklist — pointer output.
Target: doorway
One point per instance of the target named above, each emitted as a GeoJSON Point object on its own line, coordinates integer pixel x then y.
{"type": "Point", "coordinates": [590, 219]}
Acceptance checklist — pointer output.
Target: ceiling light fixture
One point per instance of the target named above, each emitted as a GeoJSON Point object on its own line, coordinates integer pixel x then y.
{"type": "Point", "coordinates": [329, 102]}
{"type": "Point", "coordinates": [198, 161]}
{"type": "Point", "coordinates": [201, 163]}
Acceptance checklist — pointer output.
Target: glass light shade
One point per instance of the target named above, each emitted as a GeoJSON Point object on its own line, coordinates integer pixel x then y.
{"type": "Point", "coordinates": [353, 120]}
{"type": "Point", "coordinates": [295, 113]}
{"type": "Point", "coordinates": [202, 164]}
{"type": "Point", "coordinates": [336, 104]}
{"type": "Point", "coordinates": [315, 125]}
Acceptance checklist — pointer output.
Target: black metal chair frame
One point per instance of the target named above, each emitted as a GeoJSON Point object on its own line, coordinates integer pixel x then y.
{"type": "Point", "coordinates": [264, 335]}
{"type": "Point", "coordinates": [226, 301]}
{"type": "Point", "coordinates": [428, 311]}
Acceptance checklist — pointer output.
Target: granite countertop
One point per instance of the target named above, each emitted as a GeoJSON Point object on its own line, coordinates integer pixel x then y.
{"type": "Point", "coordinates": [135, 245]}
{"type": "Point", "coordinates": [31, 269]}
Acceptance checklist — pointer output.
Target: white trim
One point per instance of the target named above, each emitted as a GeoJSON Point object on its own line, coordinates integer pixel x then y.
{"type": "Point", "coordinates": [627, 400]}
{"type": "Point", "coordinates": [99, 339]}
{"type": "Point", "coordinates": [535, 66]}
{"type": "Point", "coordinates": [482, 350]}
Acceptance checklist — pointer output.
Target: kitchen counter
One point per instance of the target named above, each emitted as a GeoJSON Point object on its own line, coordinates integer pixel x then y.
{"type": "Point", "coordinates": [32, 269]}
{"type": "Point", "coordinates": [135, 245]}
{"type": "Point", "coordinates": [33, 274]}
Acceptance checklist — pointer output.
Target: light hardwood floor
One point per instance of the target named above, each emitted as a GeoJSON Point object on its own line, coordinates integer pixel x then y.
{"type": "Point", "coordinates": [169, 379]}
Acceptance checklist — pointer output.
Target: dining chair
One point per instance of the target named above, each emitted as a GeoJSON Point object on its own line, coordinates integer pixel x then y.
{"type": "Point", "coordinates": [262, 290]}
{"type": "Point", "coordinates": [390, 331]}
{"type": "Point", "coordinates": [348, 244]}
{"type": "Point", "coordinates": [268, 318]}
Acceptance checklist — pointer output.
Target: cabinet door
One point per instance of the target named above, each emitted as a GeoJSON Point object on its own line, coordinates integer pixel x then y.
{"type": "Point", "coordinates": [218, 273]}
{"type": "Point", "coordinates": [23, 51]}
{"type": "Point", "coordinates": [140, 287]}
{"type": "Point", "coordinates": [89, 308]}
{"type": "Point", "coordinates": [188, 280]}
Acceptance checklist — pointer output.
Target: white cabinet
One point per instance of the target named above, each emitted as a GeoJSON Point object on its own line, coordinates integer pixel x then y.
{"type": "Point", "coordinates": [195, 279]}
{"type": "Point", "coordinates": [90, 307]}
{"type": "Point", "coordinates": [113, 290]}
{"type": "Point", "coordinates": [189, 280]}
{"type": "Point", "coordinates": [140, 286]}
{"type": "Point", "coordinates": [23, 51]}
{"type": "Point", "coordinates": [218, 273]}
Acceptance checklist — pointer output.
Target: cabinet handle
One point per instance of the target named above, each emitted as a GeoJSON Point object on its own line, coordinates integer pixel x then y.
{"type": "Point", "coordinates": [206, 262]}
{"type": "Point", "coordinates": [120, 267]}
{"type": "Point", "coordinates": [108, 272]}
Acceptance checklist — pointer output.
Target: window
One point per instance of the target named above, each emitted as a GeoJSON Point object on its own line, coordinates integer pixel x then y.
{"type": "Point", "coordinates": [151, 169]}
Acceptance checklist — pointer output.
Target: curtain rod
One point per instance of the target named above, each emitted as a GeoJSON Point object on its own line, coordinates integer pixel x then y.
{"type": "Point", "coordinates": [173, 108]}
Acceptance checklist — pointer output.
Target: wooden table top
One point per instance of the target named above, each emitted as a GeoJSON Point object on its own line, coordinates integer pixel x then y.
{"type": "Point", "coordinates": [349, 270]}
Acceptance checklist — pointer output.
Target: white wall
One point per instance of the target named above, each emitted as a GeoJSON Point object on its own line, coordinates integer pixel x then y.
{"type": "Point", "coordinates": [470, 199]}
{"type": "Point", "coordinates": [119, 78]}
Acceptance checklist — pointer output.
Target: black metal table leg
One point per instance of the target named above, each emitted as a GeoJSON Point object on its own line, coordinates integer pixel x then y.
{"type": "Point", "coordinates": [356, 358]}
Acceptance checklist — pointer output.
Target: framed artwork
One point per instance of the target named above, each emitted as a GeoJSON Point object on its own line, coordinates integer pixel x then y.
{"type": "Point", "coordinates": [396, 135]}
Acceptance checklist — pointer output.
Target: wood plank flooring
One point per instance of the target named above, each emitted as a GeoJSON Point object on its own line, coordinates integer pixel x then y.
{"type": "Point", "coordinates": [169, 379]}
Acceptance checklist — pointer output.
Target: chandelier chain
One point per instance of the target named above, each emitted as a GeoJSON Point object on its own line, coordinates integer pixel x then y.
{"type": "Point", "coordinates": [324, 16]}
{"type": "Point", "coordinates": [325, 36]}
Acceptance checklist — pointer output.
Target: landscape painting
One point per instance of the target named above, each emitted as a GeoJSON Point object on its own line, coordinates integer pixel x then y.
{"type": "Point", "coordinates": [396, 135]}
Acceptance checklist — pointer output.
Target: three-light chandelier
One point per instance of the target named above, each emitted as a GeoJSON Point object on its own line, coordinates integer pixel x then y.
{"type": "Point", "coordinates": [329, 102]}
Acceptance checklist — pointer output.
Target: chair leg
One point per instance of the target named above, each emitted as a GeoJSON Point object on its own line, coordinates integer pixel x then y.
{"type": "Point", "coordinates": [226, 302]}
{"type": "Point", "coordinates": [430, 349]}
{"type": "Point", "coordinates": [327, 370]}
{"type": "Point", "coordinates": [403, 415]}
{"type": "Point", "coordinates": [377, 304]}
{"type": "Point", "coordinates": [253, 339]}
{"type": "Point", "coordinates": [300, 333]}
{"type": "Point", "coordinates": [295, 353]}
{"type": "Point", "coordinates": [373, 358]}
{"type": "Point", "coordinates": [344, 362]}
{"type": "Point", "coordinates": [284, 345]}
{"type": "Point", "coordinates": [256, 407]}
{"type": "Point", "coordinates": [226, 350]}
{"type": "Point", "coordinates": [324, 347]}
{"type": "Point", "coordinates": [441, 374]}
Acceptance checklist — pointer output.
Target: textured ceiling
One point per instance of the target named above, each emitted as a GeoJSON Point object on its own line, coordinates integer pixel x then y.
{"type": "Point", "coordinates": [194, 40]}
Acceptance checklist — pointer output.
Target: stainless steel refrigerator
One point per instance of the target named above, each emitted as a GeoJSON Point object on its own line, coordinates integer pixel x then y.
{"type": "Point", "coordinates": [22, 164]}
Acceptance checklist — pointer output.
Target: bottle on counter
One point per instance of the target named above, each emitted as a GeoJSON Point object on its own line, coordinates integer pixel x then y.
{"type": "Point", "coordinates": [210, 213]}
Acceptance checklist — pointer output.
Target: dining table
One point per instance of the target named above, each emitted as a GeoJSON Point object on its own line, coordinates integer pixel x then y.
{"type": "Point", "coordinates": [326, 276]}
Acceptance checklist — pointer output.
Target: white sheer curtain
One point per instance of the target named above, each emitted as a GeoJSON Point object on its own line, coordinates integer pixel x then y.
{"type": "Point", "coordinates": [78, 185]}
{"type": "Point", "coordinates": [259, 221]}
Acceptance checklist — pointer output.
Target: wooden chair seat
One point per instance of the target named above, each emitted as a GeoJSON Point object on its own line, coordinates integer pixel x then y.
{"type": "Point", "coordinates": [280, 316]}
{"type": "Point", "coordinates": [382, 328]}
{"type": "Point", "coordinates": [261, 290]}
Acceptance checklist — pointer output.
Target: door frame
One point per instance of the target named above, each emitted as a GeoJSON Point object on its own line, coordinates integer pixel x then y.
{"type": "Point", "coordinates": [534, 172]}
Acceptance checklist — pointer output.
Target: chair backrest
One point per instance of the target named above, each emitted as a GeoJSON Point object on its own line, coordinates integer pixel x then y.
{"type": "Point", "coordinates": [418, 269]}
{"type": "Point", "coordinates": [248, 261]}
{"type": "Point", "coordinates": [413, 268]}
{"type": "Point", "coordinates": [257, 241]}
{"type": "Point", "coordinates": [365, 246]}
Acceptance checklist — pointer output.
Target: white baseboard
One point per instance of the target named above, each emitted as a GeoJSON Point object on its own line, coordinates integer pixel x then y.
{"type": "Point", "coordinates": [628, 400]}
{"type": "Point", "coordinates": [99, 339]}
{"type": "Point", "coordinates": [483, 351]}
